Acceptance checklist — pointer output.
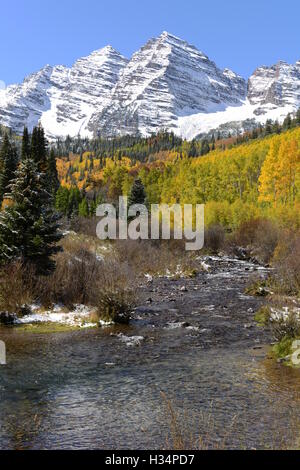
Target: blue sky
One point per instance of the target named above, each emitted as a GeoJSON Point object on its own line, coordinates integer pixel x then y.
{"type": "Point", "coordinates": [236, 34]}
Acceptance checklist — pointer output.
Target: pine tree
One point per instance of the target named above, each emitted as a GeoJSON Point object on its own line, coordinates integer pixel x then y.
{"type": "Point", "coordinates": [28, 228]}
{"type": "Point", "coordinates": [287, 123]}
{"type": "Point", "coordinates": [83, 209]}
{"type": "Point", "coordinates": [39, 148]}
{"type": "Point", "coordinates": [25, 151]}
{"type": "Point", "coordinates": [8, 162]}
{"type": "Point", "coordinates": [52, 175]}
{"type": "Point", "coordinates": [62, 200]}
{"type": "Point", "coordinates": [137, 193]}
{"type": "Point", "coordinates": [205, 148]}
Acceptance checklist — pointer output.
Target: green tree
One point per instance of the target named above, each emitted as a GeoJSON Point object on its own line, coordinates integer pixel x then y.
{"type": "Point", "coordinates": [205, 149]}
{"type": "Point", "coordinates": [52, 175]}
{"type": "Point", "coordinates": [137, 194]}
{"type": "Point", "coordinates": [39, 148]}
{"type": "Point", "coordinates": [62, 200]}
{"type": "Point", "coordinates": [28, 228]}
{"type": "Point", "coordinates": [8, 162]}
{"type": "Point", "coordinates": [83, 209]}
{"type": "Point", "coordinates": [25, 151]}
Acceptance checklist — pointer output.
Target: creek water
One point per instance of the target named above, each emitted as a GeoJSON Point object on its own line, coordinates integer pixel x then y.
{"type": "Point", "coordinates": [195, 343]}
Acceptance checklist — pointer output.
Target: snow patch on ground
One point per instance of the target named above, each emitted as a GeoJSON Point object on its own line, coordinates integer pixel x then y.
{"type": "Point", "coordinates": [79, 317]}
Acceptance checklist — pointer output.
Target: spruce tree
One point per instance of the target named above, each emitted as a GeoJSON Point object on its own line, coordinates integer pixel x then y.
{"type": "Point", "coordinates": [25, 151]}
{"type": "Point", "coordinates": [137, 194]}
{"type": "Point", "coordinates": [52, 175]}
{"type": "Point", "coordinates": [39, 148]}
{"type": "Point", "coordinates": [8, 162]}
{"type": "Point", "coordinates": [83, 209]}
{"type": "Point", "coordinates": [28, 228]}
{"type": "Point", "coordinates": [205, 148]}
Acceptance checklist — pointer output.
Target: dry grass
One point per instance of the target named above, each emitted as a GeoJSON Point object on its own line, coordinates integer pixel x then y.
{"type": "Point", "coordinates": [260, 236]}
{"type": "Point", "coordinates": [155, 256]}
{"type": "Point", "coordinates": [116, 292]}
{"type": "Point", "coordinates": [214, 238]}
{"type": "Point", "coordinates": [17, 286]}
{"type": "Point", "coordinates": [180, 437]}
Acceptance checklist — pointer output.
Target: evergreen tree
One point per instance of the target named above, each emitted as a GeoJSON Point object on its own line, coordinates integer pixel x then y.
{"type": "Point", "coordinates": [83, 209]}
{"type": "Point", "coordinates": [137, 193]}
{"type": "Point", "coordinates": [39, 148]}
{"type": "Point", "coordinates": [25, 151]}
{"type": "Point", "coordinates": [28, 228]}
{"type": "Point", "coordinates": [62, 200]}
{"type": "Point", "coordinates": [74, 201]}
{"type": "Point", "coordinates": [287, 123]}
{"type": "Point", "coordinates": [8, 162]}
{"type": "Point", "coordinates": [52, 175]}
{"type": "Point", "coordinates": [205, 148]}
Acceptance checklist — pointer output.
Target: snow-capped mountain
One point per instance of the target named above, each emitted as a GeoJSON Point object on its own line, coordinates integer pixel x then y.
{"type": "Point", "coordinates": [165, 79]}
{"type": "Point", "coordinates": [62, 99]}
{"type": "Point", "coordinates": [167, 84]}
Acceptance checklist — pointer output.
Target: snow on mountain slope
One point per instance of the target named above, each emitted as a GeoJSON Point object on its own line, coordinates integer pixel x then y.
{"type": "Point", "coordinates": [278, 85]}
{"type": "Point", "coordinates": [273, 92]}
{"type": "Point", "coordinates": [236, 118]}
{"type": "Point", "coordinates": [165, 79]}
{"type": "Point", "coordinates": [61, 98]}
{"type": "Point", "coordinates": [167, 84]}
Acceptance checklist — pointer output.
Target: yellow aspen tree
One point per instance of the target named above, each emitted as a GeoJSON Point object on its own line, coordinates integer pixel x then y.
{"type": "Point", "coordinates": [268, 180]}
{"type": "Point", "coordinates": [288, 159]}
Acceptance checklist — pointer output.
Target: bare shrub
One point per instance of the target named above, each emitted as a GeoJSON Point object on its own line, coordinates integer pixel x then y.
{"type": "Point", "coordinates": [260, 236]}
{"type": "Point", "coordinates": [73, 280]}
{"type": "Point", "coordinates": [288, 327]}
{"type": "Point", "coordinates": [214, 238]}
{"type": "Point", "coordinates": [287, 263]}
{"type": "Point", "coordinates": [16, 288]}
{"type": "Point", "coordinates": [84, 225]}
{"type": "Point", "coordinates": [155, 256]}
{"type": "Point", "coordinates": [267, 236]}
{"type": "Point", "coordinates": [116, 292]}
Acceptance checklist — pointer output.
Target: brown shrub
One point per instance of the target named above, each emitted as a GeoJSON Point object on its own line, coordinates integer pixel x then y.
{"type": "Point", "coordinates": [116, 292]}
{"type": "Point", "coordinates": [287, 263]}
{"type": "Point", "coordinates": [259, 235]}
{"type": "Point", "coordinates": [214, 238]}
{"type": "Point", "coordinates": [17, 285]}
{"type": "Point", "coordinates": [73, 280]}
{"type": "Point", "coordinates": [154, 256]}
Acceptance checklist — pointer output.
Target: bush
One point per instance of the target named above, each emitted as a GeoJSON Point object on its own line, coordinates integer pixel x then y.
{"type": "Point", "coordinates": [287, 263]}
{"type": "Point", "coordinates": [73, 280]}
{"type": "Point", "coordinates": [286, 327]}
{"type": "Point", "coordinates": [259, 235]}
{"type": "Point", "coordinates": [214, 238]}
{"type": "Point", "coordinates": [16, 288]}
{"type": "Point", "coordinates": [115, 294]}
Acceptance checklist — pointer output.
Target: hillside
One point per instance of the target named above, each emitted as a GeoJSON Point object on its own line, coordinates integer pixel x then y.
{"type": "Point", "coordinates": [236, 183]}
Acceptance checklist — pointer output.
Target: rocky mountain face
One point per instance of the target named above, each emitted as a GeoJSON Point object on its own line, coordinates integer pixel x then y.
{"type": "Point", "coordinates": [275, 86]}
{"type": "Point", "coordinates": [165, 79]}
{"type": "Point", "coordinates": [167, 84]}
{"type": "Point", "coordinates": [62, 99]}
